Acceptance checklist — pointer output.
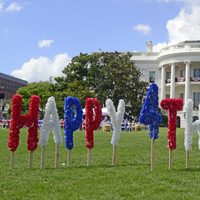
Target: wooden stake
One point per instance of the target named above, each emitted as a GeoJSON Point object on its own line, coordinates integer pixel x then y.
{"type": "Point", "coordinates": [12, 159]}
{"type": "Point", "coordinates": [69, 157]}
{"type": "Point", "coordinates": [30, 162]}
{"type": "Point", "coordinates": [43, 155]}
{"type": "Point", "coordinates": [57, 156]}
{"type": "Point", "coordinates": [114, 155]}
{"type": "Point", "coordinates": [170, 159]}
{"type": "Point", "coordinates": [152, 154]}
{"type": "Point", "coordinates": [89, 156]}
{"type": "Point", "coordinates": [187, 159]}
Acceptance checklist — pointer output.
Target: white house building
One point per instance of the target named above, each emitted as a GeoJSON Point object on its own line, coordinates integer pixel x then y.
{"type": "Point", "coordinates": [176, 70]}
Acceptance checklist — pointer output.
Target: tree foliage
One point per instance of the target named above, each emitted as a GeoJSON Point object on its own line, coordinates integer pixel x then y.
{"type": "Point", "coordinates": [102, 75]}
{"type": "Point", "coordinates": [42, 89]}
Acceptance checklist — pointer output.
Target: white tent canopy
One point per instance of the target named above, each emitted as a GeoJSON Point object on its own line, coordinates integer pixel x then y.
{"type": "Point", "coordinates": [104, 111]}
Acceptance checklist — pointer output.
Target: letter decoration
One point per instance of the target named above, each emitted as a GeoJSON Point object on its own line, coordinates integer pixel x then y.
{"type": "Point", "coordinates": [116, 121]}
{"type": "Point", "coordinates": [190, 128]}
{"type": "Point", "coordinates": [50, 123]}
{"type": "Point", "coordinates": [73, 119]}
{"type": "Point", "coordinates": [172, 105]}
{"type": "Point", "coordinates": [151, 116]}
{"type": "Point", "coordinates": [93, 119]}
{"type": "Point", "coordinates": [18, 121]}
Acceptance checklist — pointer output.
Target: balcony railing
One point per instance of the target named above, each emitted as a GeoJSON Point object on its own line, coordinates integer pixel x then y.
{"type": "Point", "coordinates": [182, 79]}
{"type": "Point", "coordinates": [180, 48]}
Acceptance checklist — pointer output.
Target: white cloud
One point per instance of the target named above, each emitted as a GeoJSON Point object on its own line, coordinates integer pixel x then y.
{"type": "Point", "coordinates": [142, 28]}
{"type": "Point", "coordinates": [167, 1]}
{"type": "Point", "coordinates": [1, 5]}
{"type": "Point", "coordinates": [45, 43]}
{"type": "Point", "coordinates": [186, 25]}
{"type": "Point", "coordinates": [10, 8]}
{"type": "Point", "coordinates": [42, 68]}
{"type": "Point", "coordinates": [14, 7]}
{"type": "Point", "coordinates": [159, 46]}
{"type": "Point", "coordinates": [182, 1]}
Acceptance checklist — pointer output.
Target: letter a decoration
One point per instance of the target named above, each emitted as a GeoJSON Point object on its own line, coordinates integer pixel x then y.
{"type": "Point", "coordinates": [151, 116]}
{"type": "Point", "coordinates": [50, 123]}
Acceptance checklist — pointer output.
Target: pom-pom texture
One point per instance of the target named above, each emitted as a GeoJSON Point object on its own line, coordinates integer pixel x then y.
{"type": "Point", "coordinates": [150, 114]}
{"type": "Point", "coordinates": [18, 121]}
{"type": "Point", "coordinates": [172, 105]}
{"type": "Point", "coordinates": [50, 123]}
{"type": "Point", "coordinates": [93, 119]}
{"type": "Point", "coordinates": [190, 127]}
{"type": "Point", "coordinates": [116, 119]}
{"type": "Point", "coordinates": [72, 107]}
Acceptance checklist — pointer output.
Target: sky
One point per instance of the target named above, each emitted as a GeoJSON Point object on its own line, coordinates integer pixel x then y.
{"type": "Point", "coordinates": [38, 38]}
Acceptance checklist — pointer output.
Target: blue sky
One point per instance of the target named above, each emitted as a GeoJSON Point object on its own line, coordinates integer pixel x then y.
{"type": "Point", "coordinates": [39, 37]}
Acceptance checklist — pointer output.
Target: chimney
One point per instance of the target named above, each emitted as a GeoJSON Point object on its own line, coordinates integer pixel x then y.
{"type": "Point", "coordinates": [149, 46]}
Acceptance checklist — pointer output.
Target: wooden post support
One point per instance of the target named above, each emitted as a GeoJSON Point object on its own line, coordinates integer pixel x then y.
{"type": "Point", "coordinates": [170, 159]}
{"type": "Point", "coordinates": [57, 155]}
{"type": "Point", "coordinates": [114, 155]}
{"type": "Point", "coordinates": [69, 156]}
{"type": "Point", "coordinates": [187, 159]}
{"type": "Point", "coordinates": [152, 154]}
{"type": "Point", "coordinates": [89, 157]}
{"type": "Point", "coordinates": [30, 161]}
{"type": "Point", "coordinates": [12, 160]}
{"type": "Point", "coordinates": [43, 155]}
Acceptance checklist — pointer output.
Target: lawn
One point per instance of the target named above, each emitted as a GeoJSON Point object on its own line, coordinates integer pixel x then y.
{"type": "Point", "coordinates": [131, 178]}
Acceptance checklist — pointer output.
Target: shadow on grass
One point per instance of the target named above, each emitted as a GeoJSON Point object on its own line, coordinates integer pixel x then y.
{"type": "Point", "coordinates": [92, 166]}
{"type": "Point", "coordinates": [187, 170]}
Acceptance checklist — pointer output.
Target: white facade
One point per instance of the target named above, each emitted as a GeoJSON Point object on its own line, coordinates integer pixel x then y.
{"type": "Point", "coordinates": [176, 70]}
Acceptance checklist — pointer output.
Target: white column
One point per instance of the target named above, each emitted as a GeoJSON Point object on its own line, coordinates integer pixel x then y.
{"type": "Point", "coordinates": [172, 86]}
{"type": "Point", "coordinates": [163, 77]}
{"type": "Point", "coordinates": [187, 81]}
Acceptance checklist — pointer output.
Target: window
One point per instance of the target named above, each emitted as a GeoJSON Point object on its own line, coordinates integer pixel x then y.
{"type": "Point", "coordinates": [182, 73]}
{"type": "Point", "coordinates": [196, 72]}
{"type": "Point", "coordinates": [196, 99]}
{"type": "Point", "coordinates": [152, 75]}
{"type": "Point", "coordinates": [167, 96]}
{"type": "Point", "coordinates": [2, 95]}
{"type": "Point", "coordinates": [181, 95]}
{"type": "Point", "coordinates": [168, 75]}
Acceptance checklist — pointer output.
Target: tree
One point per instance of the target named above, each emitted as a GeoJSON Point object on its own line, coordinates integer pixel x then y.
{"type": "Point", "coordinates": [74, 89]}
{"type": "Point", "coordinates": [103, 75]}
{"type": "Point", "coordinates": [42, 89]}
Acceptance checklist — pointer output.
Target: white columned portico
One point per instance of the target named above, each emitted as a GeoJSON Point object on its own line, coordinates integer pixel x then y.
{"type": "Point", "coordinates": [162, 92]}
{"type": "Point", "coordinates": [187, 81]}
{"type": "Point", "coordinates": [172, 86]}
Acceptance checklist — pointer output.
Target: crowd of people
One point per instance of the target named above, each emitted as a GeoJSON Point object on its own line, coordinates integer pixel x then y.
{"type": "Point", "coordinates": [5, 123]}
{"type": "Point", "coordinates": [129, 124]}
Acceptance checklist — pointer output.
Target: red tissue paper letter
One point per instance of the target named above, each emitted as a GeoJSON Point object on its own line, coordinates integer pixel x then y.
{"type": "Point", "coordinates": [18, 121]}
{"type": "Point", "coordinates": [172, 105]}
{"type": "Point", "coordinates": [93, 117]}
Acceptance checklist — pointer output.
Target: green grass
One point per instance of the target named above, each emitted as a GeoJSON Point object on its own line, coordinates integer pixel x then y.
{"type": "Point", "coordinates": [131, 178]}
